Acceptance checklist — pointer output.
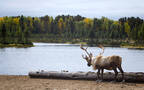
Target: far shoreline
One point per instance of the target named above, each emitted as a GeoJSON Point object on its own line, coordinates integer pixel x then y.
{"type": "Point", "coordinates": [16, 45]}
{"type": "Point", "coordinates": [94, 45]}
{"type": "Point", "coordinates": [141, 47]}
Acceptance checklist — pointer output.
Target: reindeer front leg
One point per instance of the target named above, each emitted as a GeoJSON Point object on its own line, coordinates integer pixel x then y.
{"type": "Point", "coordinates": [98, 73]}
{"type": "Point", "coordinates": [98, 77]}
{"type": "Point", "coordinates": [102, 70]}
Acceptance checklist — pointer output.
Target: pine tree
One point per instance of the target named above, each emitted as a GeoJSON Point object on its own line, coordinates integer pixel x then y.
{"type": "Point", "coordinates": [3, 34]}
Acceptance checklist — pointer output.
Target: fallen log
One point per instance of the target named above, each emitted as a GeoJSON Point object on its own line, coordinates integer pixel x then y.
{"type": "Point", "coordinates": [108, 76]}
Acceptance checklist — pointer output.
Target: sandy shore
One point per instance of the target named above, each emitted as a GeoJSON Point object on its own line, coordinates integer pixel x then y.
{"type": "Point", "coordinates": [26, 83]}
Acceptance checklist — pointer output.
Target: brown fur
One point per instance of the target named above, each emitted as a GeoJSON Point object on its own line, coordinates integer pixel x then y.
{"type": "Point", "coordinates": [111, 61]}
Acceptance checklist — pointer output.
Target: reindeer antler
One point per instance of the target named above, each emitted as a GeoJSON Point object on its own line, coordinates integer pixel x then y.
{"type": "Point", "coordinates": [101, 46]}
{"type": "Point", "coordinates": [85, 49]}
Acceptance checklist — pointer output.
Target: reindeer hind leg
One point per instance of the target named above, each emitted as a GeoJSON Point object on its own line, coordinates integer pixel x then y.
{"type": "Point", "coordinates": [116, 73]}
{"type": "Point", "coordinates": [122, 72]}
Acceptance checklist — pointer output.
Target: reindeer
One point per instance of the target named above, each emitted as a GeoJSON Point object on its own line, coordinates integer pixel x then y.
{"type": "Point", "coordinates": [101, 62]}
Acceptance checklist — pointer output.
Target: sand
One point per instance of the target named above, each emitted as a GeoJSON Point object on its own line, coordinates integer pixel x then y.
{"type": "Point", "coordinates": [9, 82]}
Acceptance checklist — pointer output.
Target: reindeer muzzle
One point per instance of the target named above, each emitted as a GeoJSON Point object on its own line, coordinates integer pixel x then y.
{"type": "Point", "coordinates": [88, 65]}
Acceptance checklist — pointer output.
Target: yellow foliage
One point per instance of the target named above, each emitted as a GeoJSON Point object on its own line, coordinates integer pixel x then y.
{"type": "Point", "coordinates": [60, 23]}
{"type": "Point", "coordinates": [88, 20]}
{"type": "Point", "coordinates": [1, 18]}
{"type": "Point", "coordinates": [116, 22]}
{"type": "Point", "coordinates": [127, 28]}
{"type": "Point", "coordinates": [16, 20]}
{"type": "Point", "coordinates": [64, 24]}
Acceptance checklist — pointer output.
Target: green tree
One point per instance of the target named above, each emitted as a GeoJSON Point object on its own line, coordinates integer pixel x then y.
{"type": "Point", "coordinates": [141, 34]}
{"type": "Point", "coordinates": [19, 36]}
{"type": "Point", "coordinates": [3, 34]}
{"type": "Point", "coordinates": [127, 29]}
{"type": "Point", "coordinates": [91, 36]}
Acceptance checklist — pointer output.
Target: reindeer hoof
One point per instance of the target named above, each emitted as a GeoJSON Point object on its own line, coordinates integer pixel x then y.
{"type": "Point", "coordinates": [113, 81]}
{"type": "Point", "coordinates": [123, 81]}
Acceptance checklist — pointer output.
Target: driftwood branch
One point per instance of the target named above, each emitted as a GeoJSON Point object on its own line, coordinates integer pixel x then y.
{"type": "Point", "coordinates": [108, 76]}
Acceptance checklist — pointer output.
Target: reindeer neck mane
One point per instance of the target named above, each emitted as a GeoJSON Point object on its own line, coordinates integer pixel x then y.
{"type": "Point", "coordinates": [99, 57]}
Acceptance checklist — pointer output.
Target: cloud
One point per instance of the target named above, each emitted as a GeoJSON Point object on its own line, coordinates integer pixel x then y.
{"type": "Point", "coordinates": [88, 8]}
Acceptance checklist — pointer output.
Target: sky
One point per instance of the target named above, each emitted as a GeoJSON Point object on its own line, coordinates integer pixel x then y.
{"type": "Point", "coordinates": [113, 9]}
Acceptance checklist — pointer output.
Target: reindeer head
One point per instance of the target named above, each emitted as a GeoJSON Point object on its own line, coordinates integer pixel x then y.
{"type": "Point", "coordinates": [87, 57]}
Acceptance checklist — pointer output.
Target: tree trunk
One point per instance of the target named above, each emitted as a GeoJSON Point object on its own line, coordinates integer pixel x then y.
{"type": "Point", "coordinates": [108, 76]}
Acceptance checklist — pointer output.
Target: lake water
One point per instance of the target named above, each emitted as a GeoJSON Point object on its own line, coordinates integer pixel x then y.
{"type": "Point", "coordinates": [57, 57]}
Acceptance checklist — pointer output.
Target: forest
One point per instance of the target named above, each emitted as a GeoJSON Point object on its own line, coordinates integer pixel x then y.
{"type": "Point", "coordinates": [71, 29]}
